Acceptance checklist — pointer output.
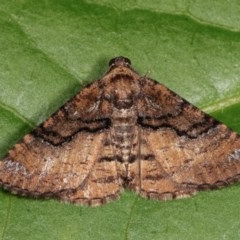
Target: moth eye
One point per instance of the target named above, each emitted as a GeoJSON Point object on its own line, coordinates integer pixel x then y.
{"type": "Point", "coordinates": [111, 62]}
{"type": "Point", "coordinates": [127, 61]}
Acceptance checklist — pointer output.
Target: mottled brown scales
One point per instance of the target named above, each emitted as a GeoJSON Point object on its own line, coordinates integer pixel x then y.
{"type": "Point", "coordinates": [123, 131]}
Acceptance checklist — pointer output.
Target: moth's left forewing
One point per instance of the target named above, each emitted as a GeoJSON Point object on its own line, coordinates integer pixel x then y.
{"type": "Point", "coordinates": [37, 168]}
{"type": "Point", "coordinates": [61, 157]}
{"type": "Point", "coordinates": [190, 150]}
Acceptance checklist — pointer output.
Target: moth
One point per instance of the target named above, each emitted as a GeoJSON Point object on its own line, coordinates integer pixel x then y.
{"type": "Point", "coordinates": [123, 131]}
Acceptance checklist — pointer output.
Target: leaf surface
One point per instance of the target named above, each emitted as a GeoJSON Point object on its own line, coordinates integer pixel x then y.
{"type": "Point", "coordinates": [50, 49]}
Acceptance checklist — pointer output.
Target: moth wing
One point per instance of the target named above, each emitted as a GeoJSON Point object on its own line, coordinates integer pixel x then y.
{"type": "Point", "coordinates": [183, 149]}
{"type": "Point", "coordinates": [62, 157]}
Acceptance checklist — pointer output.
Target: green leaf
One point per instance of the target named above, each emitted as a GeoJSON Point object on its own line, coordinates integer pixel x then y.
{"type": "Point", "coordinates": [50, 49]}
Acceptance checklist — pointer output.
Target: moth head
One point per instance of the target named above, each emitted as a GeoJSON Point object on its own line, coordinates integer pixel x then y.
{"type": "Point", "coordinates": [119, 61]}
{"type": "Point", "coordinates": [121, 83]}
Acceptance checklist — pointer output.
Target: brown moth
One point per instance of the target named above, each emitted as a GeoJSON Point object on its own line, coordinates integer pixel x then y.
{"type": "Point", "coordinates": [123, 131]}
